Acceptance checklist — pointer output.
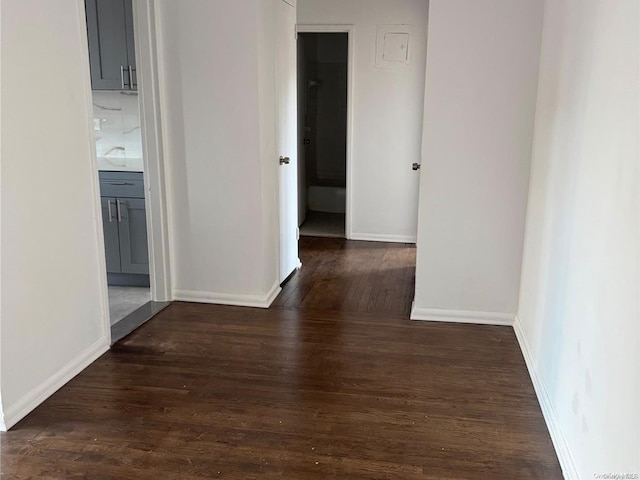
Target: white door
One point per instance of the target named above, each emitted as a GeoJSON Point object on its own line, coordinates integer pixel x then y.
{"type": "Point", "coordinates": [286, 98]}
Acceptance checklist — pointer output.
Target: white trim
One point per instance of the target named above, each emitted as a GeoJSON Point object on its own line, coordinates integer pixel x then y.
{"type": "Point", "coordinates": [256, 301]}
{"type": "Point", "coordinates": [3, 427]}
{"type": "Point", "coordinates": [275, 291]}
{"type": "Point", "coordinates": [152, 148]}
{"type": "Point", "coordinates": [374, 237]}
{"type": "Point", "coordinates": [324, 28]}
{"type": "Point", "coordinates": [349, 30]}
{"type": "Point", "coordinates": [567, 462]}
{"type": "Point", "coordinates": [16, 412]}
{"type": "Point", "coordinates": [95, 180]}
{"type": "Point", "coordinates": [461, 316]}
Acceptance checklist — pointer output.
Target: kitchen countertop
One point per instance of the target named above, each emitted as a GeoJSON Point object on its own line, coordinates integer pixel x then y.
{"type": "Point", "coordinates": [120, 164]}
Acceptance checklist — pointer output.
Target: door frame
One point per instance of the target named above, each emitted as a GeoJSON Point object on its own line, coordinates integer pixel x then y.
{"type": "Point", "coordinates": [155, 191]}
{"type": "Point", "coordinates": [153, 158]}
{"type": "Point", "coordinates": [349, 30]}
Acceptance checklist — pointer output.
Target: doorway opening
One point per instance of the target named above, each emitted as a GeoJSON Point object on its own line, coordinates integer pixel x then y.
{"type": "Point", "coordinates": [120, 159]}
{"type": "Point", "coordinates": [323, 114]}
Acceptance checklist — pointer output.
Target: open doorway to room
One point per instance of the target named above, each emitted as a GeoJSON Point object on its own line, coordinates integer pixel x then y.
{"type": "Point", "coordinates": [120, 154]}
{"type": "Point", "coordinates": [323, 76]}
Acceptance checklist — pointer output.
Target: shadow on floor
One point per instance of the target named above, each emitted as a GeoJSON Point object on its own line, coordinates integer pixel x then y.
{"type": "Point", "coordinates": [322, 224]}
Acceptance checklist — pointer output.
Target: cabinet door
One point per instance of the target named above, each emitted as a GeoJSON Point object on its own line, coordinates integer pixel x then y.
{"type": "Point", "coordinates": [108, 32]}
{"type": "Point", "coordinates": [131, 48]}
{"type": "Point", "coordinates": [134, 254]}
{"type": "Point", "coordinates": [111, 238]}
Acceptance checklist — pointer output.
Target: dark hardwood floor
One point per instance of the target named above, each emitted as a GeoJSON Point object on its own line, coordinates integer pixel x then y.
{"type": "Point", "coordinates": [338, 275]}
{"type": "Point", "coordinates": [333, 382]}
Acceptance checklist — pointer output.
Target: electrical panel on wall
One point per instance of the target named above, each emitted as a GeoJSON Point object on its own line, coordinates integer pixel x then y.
{"type": "Point", "coordinates": [393, 46]}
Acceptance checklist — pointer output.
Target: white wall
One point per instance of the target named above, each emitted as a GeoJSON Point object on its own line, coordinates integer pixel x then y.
{"type": "Point", "coordinates": [481, 83]}
{"type": "Point", "coordinates": [387, 115]}
{"type": "Point", "coordinates": [266, 34]}
{"type": "Point", "coordinates": [579, 312]}
{"type": "Point", "coordinates": [53, 305]}
{"type": "Point", "coordinates": [214, 102]}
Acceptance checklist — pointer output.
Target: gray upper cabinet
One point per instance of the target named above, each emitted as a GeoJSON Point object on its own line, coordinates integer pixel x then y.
{"type": "Point", "coordinates": [111, 44]}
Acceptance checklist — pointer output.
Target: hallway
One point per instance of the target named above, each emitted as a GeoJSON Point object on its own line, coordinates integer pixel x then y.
{"type": "Point", "coordinates": [347, 276]}
{"type": "Point", "coordinates": [332, 382]}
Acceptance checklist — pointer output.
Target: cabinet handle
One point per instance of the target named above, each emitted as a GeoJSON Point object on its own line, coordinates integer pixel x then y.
{"type": "Point", "coordinates": [119, 210]}
{"type": "Point", "coordinates": [122, 77]}
{"type": "Point", "coordinates": [131, 84]}
{"type": "Point", "coordinates": [120, 183]}
{"type": "Point", "coordinates": [109, 209]}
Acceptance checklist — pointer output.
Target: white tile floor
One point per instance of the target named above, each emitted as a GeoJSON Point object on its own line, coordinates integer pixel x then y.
{"type": "Point", "coordinates": [124, 300]}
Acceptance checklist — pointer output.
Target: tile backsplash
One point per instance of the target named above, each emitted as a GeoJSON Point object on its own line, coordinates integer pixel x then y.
{"type": "Point", "coordinates": [116, 120]}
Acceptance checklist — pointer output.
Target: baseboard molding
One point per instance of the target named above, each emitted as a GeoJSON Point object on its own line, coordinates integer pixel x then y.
{"type": "Point", "coordinates": [258, 301]}
{"type": "Point", "coordinates": [275, 290]}
{"type": "Point", "coordinates": [14, 413]}
{"type": "Point", "coordinates": [374, 237]}
{"type": "Point", "coordinates": [567, 462]}
{"type": "Point", "coordinates": [461, 316]}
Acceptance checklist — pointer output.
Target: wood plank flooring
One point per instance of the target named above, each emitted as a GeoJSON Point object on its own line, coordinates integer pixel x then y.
{"type": "Point", "coordinates": [333, 382]}
{"type": "Point", "coordinates": [339, 275]}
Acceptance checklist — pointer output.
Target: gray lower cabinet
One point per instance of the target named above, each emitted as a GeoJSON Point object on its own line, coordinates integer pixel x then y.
{"type": "Point", "coordinates": [111, 236]}
{"type": "Point", "coordinates": [124, 223]}
{"type": "Point", "coordinates": [132, 232]}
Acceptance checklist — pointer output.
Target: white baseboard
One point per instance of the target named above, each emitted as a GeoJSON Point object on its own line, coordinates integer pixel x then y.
{"type": "Point", "coordinates": [259, 301]}
{"type": "Point", "coordinates": [16, 412]}
{"type": "Point", "coordinates": [374, 237]}
{"type": "Point", "coordinates": [461, 316]}
{"type": "Point", "coordinates": [275, 291]}
{"type": "Point", "coordinates": [567, 462]}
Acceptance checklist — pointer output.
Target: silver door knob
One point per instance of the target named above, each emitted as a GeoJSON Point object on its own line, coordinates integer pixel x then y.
{"type": "Point", "coordinates": [415, 166]}
{"type": "Point", "coordinates": [285, 160]}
